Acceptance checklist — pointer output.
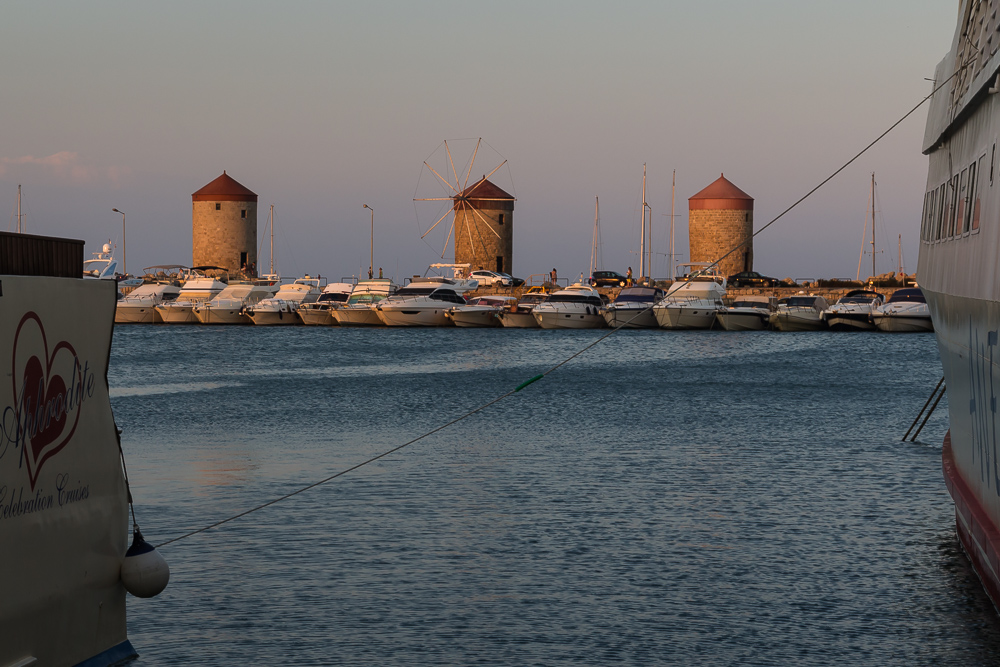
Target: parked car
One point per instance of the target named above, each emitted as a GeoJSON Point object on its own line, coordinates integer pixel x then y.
{"type": "Point", "coordinates": [751, 279]}
{"type": "Point", "coordinates": [607, 279]}
{"type": "Point", "coordinates": [516, 282]}
{"type": "Point", "coordinates": [488, 278]}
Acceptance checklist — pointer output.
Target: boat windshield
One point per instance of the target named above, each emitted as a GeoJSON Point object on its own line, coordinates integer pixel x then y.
{"type": "Point", "coordinates": [423, 290]}
{"type": "Point", "coordinates": [575, 298]}
{"type": "Point", "coordinates": [639, 295]}
{"type": "Point", "coordinates": [336, 297]}
{"type": "Point", "coordinates": [750, 304]}
{"type": "Point", "coordinates": [448, 295]}
{"type": "Point", "coordinates": [532, 299]}
{"type": "Point", "coordinates": [911, 295]}
{"type": "Point", "coordinates": [801, 301]}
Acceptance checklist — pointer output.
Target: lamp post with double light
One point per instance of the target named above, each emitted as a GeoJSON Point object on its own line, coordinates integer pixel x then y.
{"type": "Point", "coordinates": [124, 267]}
{"type": "Point", "coordinates": [371, 260]}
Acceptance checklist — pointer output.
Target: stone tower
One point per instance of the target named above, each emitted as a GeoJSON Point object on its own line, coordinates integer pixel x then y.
{"type": "Point", "coordinates": [719, 218]}
{"type": "Point", "coordinates": [224, 225]}
{"type": "Point", "coordinates": [484, 227]}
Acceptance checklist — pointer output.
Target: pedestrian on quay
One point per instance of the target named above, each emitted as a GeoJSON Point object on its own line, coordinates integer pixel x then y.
{"type": "Point", "coordinates": [552, 277]}
{"type": "Point", "coordinates": [628, 276]}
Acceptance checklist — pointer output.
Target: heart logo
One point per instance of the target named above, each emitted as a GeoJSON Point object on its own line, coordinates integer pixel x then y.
{"type": "Point", "coordinates": [48, 399]}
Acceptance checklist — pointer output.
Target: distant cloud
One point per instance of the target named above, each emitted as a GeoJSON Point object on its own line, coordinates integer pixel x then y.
{"type": "Point", "coordinates": [66, 164]}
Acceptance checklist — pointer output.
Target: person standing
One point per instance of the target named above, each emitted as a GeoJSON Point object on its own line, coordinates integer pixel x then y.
{"type": "Point", "coordinates": [553, 277]}
{"type": "Point", "coordinates": [628, 276]}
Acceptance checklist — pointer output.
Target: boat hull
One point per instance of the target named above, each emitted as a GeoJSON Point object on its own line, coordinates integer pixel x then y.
{"type": "Point", "coordinates": [849, 322]}
{"type": "Point", "coordinates": [903, 323]}
{"type": "Point", "coordinates": [474, 318]}
{"type": "Point", "coordinates": [209, 315]}
{"type": "Point", "coordinates": [131, 314]}
{"type": "Point", "coordinates": [404, 316]}
{"type": "Point", "coordinates": [744, 321]}
{"type": "Point", "coordinates": [357, 317]}
{"type": "Point", "coordinates": [317, 317]}
{"type": "Point", "coordinates": [631, 318]}
{"type": "Point", "coordinates": [274, 318]}
{"type": "Point", "coordinates": [522, 319]}
{"type": "Point", "coordinates": [176, 314]}
{"type": "Point", "coordinates": [804, 321]}
{"type": "Point", "coordinates": [564, 319]}
{"type": "Point", "coordinates": [684, 317]}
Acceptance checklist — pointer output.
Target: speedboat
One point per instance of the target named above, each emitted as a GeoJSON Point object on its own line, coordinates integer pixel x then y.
{"type": "Point", "coordinates": [139, 306]}
{"type": "Point", "coordinates": [359, 311]}
{"type": "Point", "coordinates": [905, 311]}
{"type": "Point", "coordinates": [419, 304]}
{"type": "Point", "coordinates": [802, 312]}
{"type": "Point", "coordinates": [228, 307]}
{"type": "Point", "coordinates": [482, 312]}
{"type": "Point", "coordinates": [576, 307]}
{"type": "Point", "coordinates": [691, 304]}
{"type": "Point", "coordinates": [281, 308]}
{"type": "Point", "coordinates": [748, 313]}
{"type": "Point", "coordinates": [519, 315]}
{"type": "Point", "coordinates": [633, 308]}
{"type": "Point", "coordinates": [102, 265]}
{"type": "Point", "coordinates": [197, 288]}
{"type": "Point", "coordinates": [321, 310]}
{"type": "Point", "coordinates": [853, 311]}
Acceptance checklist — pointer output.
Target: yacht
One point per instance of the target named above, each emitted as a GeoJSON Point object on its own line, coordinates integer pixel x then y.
{"type": "Point", "coordinates": [633, 308]}
{"type": "Point", "coordinates": [748, 313]}
{"type": "Point", "coordinates": [519, 315]}
{"type": "Point", "coordinates": [576, 307]}
{"type": "Point", "coordinates": [229, 305]}
{"type": "Point", "coordinates": [905, 311]}
{"type": "Point", "coordinates": [419, 304]}
{"type": "Point", "coordinates": [102, 265]}
{"type": "Point", "coordinates": [802, 312]}
{"type": "Point", "coordinates": [198, 287]}
{"type": "Point", "coordinates": [691, 303]}
{"type": "Point", "coordinates": [482, 312]}
{"type": "Point", "coordinates": [281, 308]}
{"type": "Point", "coordinates": [853, 311]}
{"type": "Point", "coordinates": [139, 306]}
{"type": "Point", "coordinates": [359, 311]}
{"type": "Point", "coordinates": [320, 311]}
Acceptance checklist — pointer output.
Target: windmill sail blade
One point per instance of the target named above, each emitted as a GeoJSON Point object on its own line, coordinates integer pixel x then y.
{"type": "Point", "coordinates": [451, 162]}
{"type": "Point", "coordinates": [441, 177]}
{"type": "Point", "coordinates": [485, 221]}
{"type": "Point", "coordinates": [485, 177]}
{"type": "Point", "coordinates": [435, 224]}
{"type": "Point", "coordinates": [447, 239]}
{"type": "Point", "coordinates": [471, 162]}
{"type": "Point", "coordinates": [442, 199]}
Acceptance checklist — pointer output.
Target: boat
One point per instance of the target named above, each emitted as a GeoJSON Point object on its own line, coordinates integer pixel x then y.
{"type": "Point", "coordinates": [748, 313]}
{"type": "Point", "coordinates": [633, 308]}
{"type": "Point", "coordinates": [906, 311]}
{"type": "Point", "coordinates": [63, 496]}
{"type": "Point", "coordinates": [420, 304]}
{"type": "Point", "coordinates": [957, 273]}
{"type": "Point", "coordinates": [139, 306]}
{"type": "Point", "coordinates": [802, 312]}
{"type": "Point", "coordinates": [102, 265]}
{"type": "Point", "coordinates": [229, 306]}
{"type": "Point", "coordinates": [853, 311]}
{"type": "Point", "coordinates": [519, 315]}
{"type": "Point", "coordinates": [281, 308]}
{"type": "Point", "coordinates": [481, 312]}
{"type": "Point", "coordinates": [359, 309]}
{"type": "Point", "coordinates": [320, 311]}
{"type": "Point", "coordinates": [198, 287]}
{"type": "Point", "coordinates": [576, 307]}
{"type": "Point", "coordinates": [692, 303]}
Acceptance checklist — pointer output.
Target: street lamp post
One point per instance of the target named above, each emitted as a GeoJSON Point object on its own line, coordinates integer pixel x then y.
{"type": "Point", "coordinates": [124, 269]}
{"type": "Point", "coordinates": [371, 260]}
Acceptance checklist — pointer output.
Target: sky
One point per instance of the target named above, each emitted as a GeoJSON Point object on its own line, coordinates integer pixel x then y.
{"type": "Point", "coordinates": [321, 107]}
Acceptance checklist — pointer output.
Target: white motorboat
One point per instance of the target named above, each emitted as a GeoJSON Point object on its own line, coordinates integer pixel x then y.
{"type": "Point", "coordinates": [853, 311]}
{"type": "Point", "coordinates": [748, 313]}
{"type": "Point", "coordinates": [519, 315]}
{"type": "Point", "coordinates": [359, 311]}
{"type": "Point", "coordinates": [906, 311]}
{"type": "Point", "coordinates": [139, 306]}
{"type": "Point", "coordinates": [228, 307]}
{"type": "Point", "coordinates": [320, 311]}
{"type": "Point", "coordinates": [419, 304]}
{"type": "Point", "coordinates": [102, 265]}
{"type": "Point", "coordinates": [198, 287]}
{"type": "Point", "coordinates": [691, 304]}
{"type": "Point", "coordinates": [281, 308]}
{"type": "Point", "coordinates": [633, 308]}
{"type": "Point", "coordinates": [482, 312]}
{"type": "Point", "coordinates": [802, 312]}
{"type": "Point", "coordinates": [576, 307]}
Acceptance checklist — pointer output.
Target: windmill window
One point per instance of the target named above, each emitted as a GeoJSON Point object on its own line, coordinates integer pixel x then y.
{"type": "Point", "coordinates": [218, 206]}
{"type": "Point", "coordinates": [243, 213]}
{"type": "Point", "coordinates": [500, 219]}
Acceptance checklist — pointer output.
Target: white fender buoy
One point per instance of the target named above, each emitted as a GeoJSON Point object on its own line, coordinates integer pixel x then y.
{"type": "Point", "coordinates": [144, 571]}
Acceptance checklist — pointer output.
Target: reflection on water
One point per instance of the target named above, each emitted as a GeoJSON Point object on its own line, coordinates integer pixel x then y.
{"type": "Point", "coordinates": [666, 498]}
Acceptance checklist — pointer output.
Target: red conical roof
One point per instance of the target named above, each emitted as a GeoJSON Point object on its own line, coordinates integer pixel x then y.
{"type": "Point", "coordinates": [721, 194]}
{"type": "Point", "coordinates": [485, 195]}
{"type": "Point", "coordinates": [224, 188]}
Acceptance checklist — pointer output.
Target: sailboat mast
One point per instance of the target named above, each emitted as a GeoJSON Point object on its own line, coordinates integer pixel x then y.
{"type": "Point", "coordinates": [873, 227]}
{"type": "Point", "coordinates": [270, 223]}
{"type": "Point", "coordinates": [673, 188]}
{"type": "Point", "coordinates": [18, 209]}
{"type": "Point", "coordinates": [597, 236]}
{"type": "Point", "coordinates": [642, 226]}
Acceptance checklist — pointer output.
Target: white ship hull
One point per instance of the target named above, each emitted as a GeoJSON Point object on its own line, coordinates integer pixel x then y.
{"type": "Point", "coordinates": [136, 314]}
{"type": "Point", "coordinates": [472, 316]}
{"type": "Point", "coordinates": [176, 313]}
{"type": "Point", "coordinates": [631, 318]}
{"type": "Point", "coordinates": [903, 323]}
{"type": "Point", "coordinates": [685, 317]}
{"type": "Point", "coordinates": [412, 316]}
{"type": "Point", "coordinates": [223, 315]}
{"type": "Point", "coordinates": [274, 318]}
{"type": "Point", "coordinates": [799, 320]}
{"type": "Point", "coordinates": [317, 316]}
{"type": "Point", "coordinates": [568, 319]}
{"type": "Point", "coordinates": [750, 319]}
{"type": "Point", "coordinates": [349, 316]}
{"type": "Point", "coordinates": [522, 319]}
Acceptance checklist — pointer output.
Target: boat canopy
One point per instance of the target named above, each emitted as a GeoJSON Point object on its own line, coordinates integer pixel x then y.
{"type": "Point", "coordinates": [912, 294]}
{"type": "Point", "coordinates": [640, 294]}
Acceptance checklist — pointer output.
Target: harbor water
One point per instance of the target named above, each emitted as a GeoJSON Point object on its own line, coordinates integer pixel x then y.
{"type": "Point", "coordinates": [665, 498]}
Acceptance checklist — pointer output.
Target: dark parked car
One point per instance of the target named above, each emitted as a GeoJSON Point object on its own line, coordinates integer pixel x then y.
{"type": "Point", "coordinates": [751, 279]}
{"type": "Point", "coordinates": [607, 279]}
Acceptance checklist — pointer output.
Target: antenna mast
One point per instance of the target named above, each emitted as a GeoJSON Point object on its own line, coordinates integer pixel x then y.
{"type": "Point", "coordinates": [673, 187]}
{"type": "Point", "coordinates": [642, 226]}
{"type": "Point", "coordinates": [18, 209]}
{"type": "Point", "coordinates": [873, 227]}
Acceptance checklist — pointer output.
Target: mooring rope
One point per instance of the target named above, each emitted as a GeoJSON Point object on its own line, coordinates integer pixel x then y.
{"type": "Point", "coordinates": [576, 354]}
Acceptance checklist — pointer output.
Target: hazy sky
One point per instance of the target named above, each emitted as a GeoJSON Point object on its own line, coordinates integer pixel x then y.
{"type": "Point", "coordinates": [320, 107]}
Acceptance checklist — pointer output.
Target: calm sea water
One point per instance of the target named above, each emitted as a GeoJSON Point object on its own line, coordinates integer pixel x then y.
{"type": "Point", "coordinates": [666, 498]}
